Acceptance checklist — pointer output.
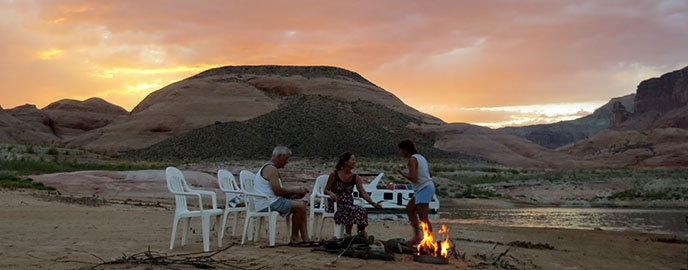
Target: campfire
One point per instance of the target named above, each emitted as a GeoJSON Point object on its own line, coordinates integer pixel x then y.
{"type": "Point", "coordinates": [430, 251]}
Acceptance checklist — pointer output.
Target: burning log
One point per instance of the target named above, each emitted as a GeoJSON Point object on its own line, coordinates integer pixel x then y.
{"type": "Point", "coordinates": [429, 251]}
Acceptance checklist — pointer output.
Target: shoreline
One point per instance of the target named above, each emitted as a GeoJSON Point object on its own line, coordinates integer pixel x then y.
{"type": "Point", "coordinates": [47, 232]}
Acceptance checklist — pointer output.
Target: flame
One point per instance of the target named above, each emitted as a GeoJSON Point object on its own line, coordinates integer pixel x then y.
{"type": "Point", "coordinates": [445, 246]}
{"type": "Point", "coordinates": [428, 242]}
{"type": "Point", "coordinates": [443, 230]}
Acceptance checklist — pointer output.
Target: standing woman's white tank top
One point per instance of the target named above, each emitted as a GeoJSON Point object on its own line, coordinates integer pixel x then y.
{"type": "Point", "coordinates": [424, 179]}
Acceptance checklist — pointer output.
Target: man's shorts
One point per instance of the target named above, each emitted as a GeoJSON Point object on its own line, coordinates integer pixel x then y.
{"type": "Point", "coordinates": [425, 194]}
{"type": "Point", "coordinates": [281, 205]}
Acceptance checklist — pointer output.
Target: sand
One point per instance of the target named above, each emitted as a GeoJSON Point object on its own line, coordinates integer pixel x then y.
{"type": "Point", "coordinates": [38, 231]}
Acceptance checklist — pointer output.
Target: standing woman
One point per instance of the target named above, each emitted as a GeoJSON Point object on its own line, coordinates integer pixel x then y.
{"type": "Point", "coordinates": [419, 174]}
{"type": "Point", "coordinates": [340, 185]}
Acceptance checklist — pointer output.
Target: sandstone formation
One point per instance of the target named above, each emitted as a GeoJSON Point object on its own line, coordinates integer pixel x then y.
{"type": "Point", "coordinates": [660, 147]}
{"type": "Point", "coordinates": [13, 130]}
{"type": "Point", "coordinates": [619, 115]}
{"type": "Point", "coordinates": [660, 103]}
{"type": "Point", "coordinates": [668, 92]}
{"type": "Point", "coordinates": [233, 93]}
{"type": "Point", "coordinates": [310, 125]}
{"type": "Point", "coordinates": [496, 146]}
{"type": "Point", "coordinates": [62, 120]}
{"type": "Point", "coordinates": [71, 118]}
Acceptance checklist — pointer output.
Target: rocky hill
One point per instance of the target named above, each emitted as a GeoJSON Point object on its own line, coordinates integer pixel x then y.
{"type": "Point", "coordinates": [659, 147]}
{"type": "Point", "coordinates": [562, 133]}
{"type": "Point", "coordinates": [65, 119]}
{"type": "Point", "coordinates": [13, 130]}
{"type": "Point", "coordinates": [661, 103]}
{"type": "Point", "coordinates": [233, 93]}
{"type": "Point", "coordinates": [499, 147]}
{"type": "Point", "coordinates": [311, 125]}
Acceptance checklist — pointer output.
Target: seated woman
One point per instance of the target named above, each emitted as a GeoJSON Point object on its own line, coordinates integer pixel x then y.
{"type": "Point", "coordinates": [340, 185]}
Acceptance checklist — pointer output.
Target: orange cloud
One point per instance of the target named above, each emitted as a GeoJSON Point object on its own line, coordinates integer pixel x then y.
{"type": "Point", "coordinates": [49, 54]}
{"type": "Point", "coordinates": [461, 54]}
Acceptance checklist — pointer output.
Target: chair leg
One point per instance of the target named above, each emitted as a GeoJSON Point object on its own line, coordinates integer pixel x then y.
{"type": "Point", "coordinates": [236, 222]}
{"type": "Point", "coordinates": [311, 221]}
{"type": "Point", "coordinates": [338, 230]}
{"type": "Point", "coordinates": [288, 221]}
{"type": "Point", "coordinates": [246, 226]}
{"type": "Point", "coordinates": [272, 229]}
{"type": "Point", "coordinates": [320, 228]}
{"type": "Point", "coordinates": [185, 226]}
{"type": "Point", "coordinates": [174, 231]}
{"type": "Point", "coordinates": [219, 236]}
{"type": "Point", "coordinates": [250, 229]}
{"type": "Point", "coordinates": [258, 228]}
{"type": "Point", "coordinates": [205, 223]}
{"type": "Point", "coordinates": [222, 230]}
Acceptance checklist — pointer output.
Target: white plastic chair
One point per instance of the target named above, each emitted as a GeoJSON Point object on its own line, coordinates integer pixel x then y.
{"type": "Point", "coordinates": [339, 228]}
{"type": "Point", "coordinates": [247, 179]}
{"type": "Point", "coordinates": [319, 194]}
{"type": "Point", "coordinates": [231, 189]}
{"type": "Point", "coordinates": [318, 206]}
{"type": "Point", "coordinates": [178, 186]}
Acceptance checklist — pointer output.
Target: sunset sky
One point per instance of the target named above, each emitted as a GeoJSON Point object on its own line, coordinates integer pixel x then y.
{"type": "Point", "coordinates": [493, 63]}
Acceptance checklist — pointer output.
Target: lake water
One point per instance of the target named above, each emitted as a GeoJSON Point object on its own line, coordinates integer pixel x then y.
{"type": "Point", "coordinates": [664, 221]}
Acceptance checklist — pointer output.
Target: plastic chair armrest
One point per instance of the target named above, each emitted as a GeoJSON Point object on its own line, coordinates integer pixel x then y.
{"type": "Point", "coordinates": [250, 194]}
{"type": "Point", "coordinates": [213, 196]}
{"type": "Point", "coordinates": [200, 199]}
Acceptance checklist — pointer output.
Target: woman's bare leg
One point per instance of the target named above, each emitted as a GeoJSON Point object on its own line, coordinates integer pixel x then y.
{"type": "Point", "coordinates": [423, 210]}
{"type": "Point", "coordinates": [413, 218]}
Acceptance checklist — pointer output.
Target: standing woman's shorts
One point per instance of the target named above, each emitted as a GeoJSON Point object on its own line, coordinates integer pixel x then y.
{"type": "Point", "coordinates": [425, 194]}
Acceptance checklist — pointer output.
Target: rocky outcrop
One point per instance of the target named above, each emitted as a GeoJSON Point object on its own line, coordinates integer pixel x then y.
{"type": "Point", "coordinates": [565, 132]}
{"type": "Point", "coordinates": [663, 94]}
{"type": "Point", "coordinates": [619, 115]}
{"type": "Point", "coordinates": [70, 118]}
{"type": "Point", "coordinates": [37, 119]}
{"type": "Point", "coordinates": [59, 121]}
{"type": "Point", "coordinates": [13, 130]}
{"type": "Point", "coordinates": [660, 103]}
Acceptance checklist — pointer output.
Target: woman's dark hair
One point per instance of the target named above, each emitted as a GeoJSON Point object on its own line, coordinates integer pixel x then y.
{"type": "Point", "coordinates": [343, 158]}
{"type": "Point", "coordinates": [408, 146]}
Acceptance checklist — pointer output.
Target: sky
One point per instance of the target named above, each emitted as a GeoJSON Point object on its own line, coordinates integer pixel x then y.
{"type": "Point", "coordinates": [492, 63]}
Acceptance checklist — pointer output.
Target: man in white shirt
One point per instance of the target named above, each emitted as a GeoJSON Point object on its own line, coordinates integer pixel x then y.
{"type": "Point", "coordinates": [281, 199]}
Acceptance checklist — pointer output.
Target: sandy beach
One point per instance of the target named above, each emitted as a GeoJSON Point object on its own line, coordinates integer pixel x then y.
{"type": "Point", "coordinates": [51, 232]}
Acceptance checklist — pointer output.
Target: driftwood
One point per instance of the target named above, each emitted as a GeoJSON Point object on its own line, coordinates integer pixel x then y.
{"type": "Point", "coordinates": [149, 257]}
{"type": "Point", "coordinates": [501, 260]}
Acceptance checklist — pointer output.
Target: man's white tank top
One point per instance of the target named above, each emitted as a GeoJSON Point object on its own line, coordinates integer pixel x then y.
{"type": "Point", "coordinates": [424, 179]}
{"type": "Point", "coordinates": [262, 186]}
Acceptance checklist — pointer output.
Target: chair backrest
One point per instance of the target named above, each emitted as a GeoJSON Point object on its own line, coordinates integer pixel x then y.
{"type": "Point", "coordinates": [227, 181]}
{"type": "Point", "coordinates": [319, 190]}
{"type": "Point", "coordinates": [246, 178]}
{"type": "Point", "coordinates": [320, 184]}
{"type": "Point", "coordinates": [176, 183]}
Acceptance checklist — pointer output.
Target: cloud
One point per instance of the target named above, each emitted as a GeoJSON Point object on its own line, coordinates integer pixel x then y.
{"type": "Point", "coordinates": [465, 54]}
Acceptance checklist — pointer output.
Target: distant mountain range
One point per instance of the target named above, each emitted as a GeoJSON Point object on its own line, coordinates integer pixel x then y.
{"type": "Point", "coordinates": [562, 133]}
{"type": "Point", "coordinates": [242, 111]}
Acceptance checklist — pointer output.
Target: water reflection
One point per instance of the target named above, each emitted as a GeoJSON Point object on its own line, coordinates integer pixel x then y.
{"type": "Point", "coordinates": [666, 221]}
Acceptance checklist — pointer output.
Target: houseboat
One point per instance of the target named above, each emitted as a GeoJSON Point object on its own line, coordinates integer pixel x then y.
{"type": "Point", "coordinates": [391, 196]}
